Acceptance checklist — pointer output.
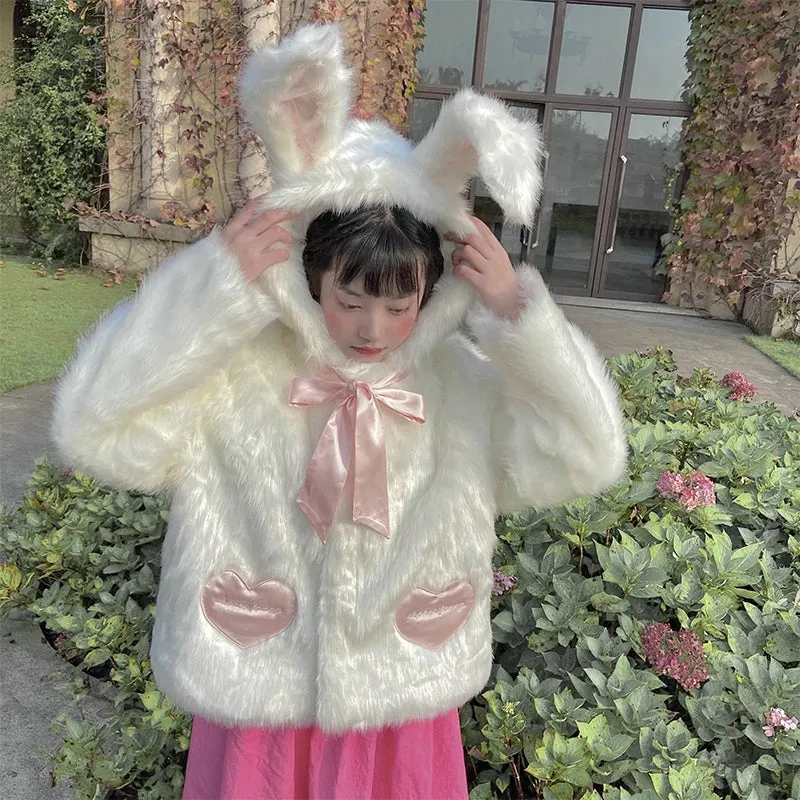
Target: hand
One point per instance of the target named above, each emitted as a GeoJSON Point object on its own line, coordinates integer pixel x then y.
{"type": "Point", "coordinates": [253, 237]}
{"type": "Point", "coordinates": [482, 262]}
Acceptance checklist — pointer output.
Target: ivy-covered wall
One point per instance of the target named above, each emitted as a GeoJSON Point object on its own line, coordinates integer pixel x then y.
{"type": "Point", "coordinates": [742, 153]}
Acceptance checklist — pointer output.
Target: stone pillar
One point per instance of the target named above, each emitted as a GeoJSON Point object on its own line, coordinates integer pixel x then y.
{"type": "Point", "coordinates": [153, 104]}
{"type": "Point", "coordinates": [789, 254]}
{"type": "Point", "coordinates": [262, 24]}
{"type": "Point", "coordinates": [124, 145]}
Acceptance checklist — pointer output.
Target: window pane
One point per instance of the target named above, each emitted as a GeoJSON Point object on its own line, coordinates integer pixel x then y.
{"type": "Point", "coordinates": [449, 46]}
{"type": "Point", "coordinates": [653, 149]}
{"type": "Point", "coordinates": [518, 45]}
{"type": "Point", "coordinates": [578, 142]}
{"type": "Point", "coordinates": [423, 114]}
{"type": "Point", "coordinates": [592, 50]}
{"type": "Point", "coordinates": [660, 68]}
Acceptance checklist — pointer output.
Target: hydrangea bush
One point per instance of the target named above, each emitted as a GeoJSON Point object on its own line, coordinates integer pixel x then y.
{"type": "Point", "coordinates": [647, 643]}
{"type": "Point", "coordinates": [650, 647]}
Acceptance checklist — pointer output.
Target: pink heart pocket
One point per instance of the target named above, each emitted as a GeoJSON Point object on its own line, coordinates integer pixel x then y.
{"type": "Point", "coordinates": [248, 615]}
{"type": "Point", "coordinates": [431, 618]}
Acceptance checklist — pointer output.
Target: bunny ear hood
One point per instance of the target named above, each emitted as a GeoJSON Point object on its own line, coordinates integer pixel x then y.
{"type": "Point", "coordinates": [297, 97]}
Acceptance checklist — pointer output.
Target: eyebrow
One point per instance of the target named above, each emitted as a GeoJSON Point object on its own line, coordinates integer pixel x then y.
{"type": "Point", "coordinates": [354, 293]}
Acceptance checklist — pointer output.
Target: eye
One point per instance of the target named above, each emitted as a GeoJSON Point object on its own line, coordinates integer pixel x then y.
{"type": "Point", "coordinates": [348, 306]}
{"type": "Point", "coordinates": [399, 311]}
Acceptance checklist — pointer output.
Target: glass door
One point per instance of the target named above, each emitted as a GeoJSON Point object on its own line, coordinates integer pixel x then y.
{"type": "Point", "coordinates": [572, 204]}
{"type": "Point", "coordinates": [606, 79]}
{"type": "Point", "coordinates": [642, 190]}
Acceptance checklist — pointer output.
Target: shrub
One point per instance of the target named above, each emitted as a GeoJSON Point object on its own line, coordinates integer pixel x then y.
{"type": "Point", "coordinates": [646, 642]}
{"type": "Point", "coordinates": [85, 560]}
{"type": "Point", "coordinates": [653, 633]}
{"type": "Point", "coordinates": [52, 144]}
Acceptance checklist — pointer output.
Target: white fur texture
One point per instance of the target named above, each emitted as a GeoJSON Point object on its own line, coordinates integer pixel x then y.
{"type": "Point", "coordinates": [297, 97]}
{"type": "Point", "coordinates": [186, 387]}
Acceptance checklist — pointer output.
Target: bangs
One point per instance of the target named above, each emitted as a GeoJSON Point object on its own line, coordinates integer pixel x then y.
{"type": "Point", "coordinates": [387, 262]}
{"type": "Point", "coordinates": [394, 253]}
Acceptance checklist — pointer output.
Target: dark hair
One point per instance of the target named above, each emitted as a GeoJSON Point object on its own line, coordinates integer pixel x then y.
{"type": "Point", "coordinates": [385, 245]}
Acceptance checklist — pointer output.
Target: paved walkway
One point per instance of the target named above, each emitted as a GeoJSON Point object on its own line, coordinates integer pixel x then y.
{"type": "Point", "coordinates": [29, 701]}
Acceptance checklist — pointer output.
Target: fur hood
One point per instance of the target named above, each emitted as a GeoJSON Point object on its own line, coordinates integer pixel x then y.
{"type": "Point", "coordinates": [297, 96]}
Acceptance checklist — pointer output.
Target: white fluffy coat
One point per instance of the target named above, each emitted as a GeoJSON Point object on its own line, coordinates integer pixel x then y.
{"type": "Point", "coordinates": [185, 388]}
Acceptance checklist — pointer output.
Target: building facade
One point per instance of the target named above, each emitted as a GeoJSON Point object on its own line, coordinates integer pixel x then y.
{"type": "Point", "coordinates": [605, 81]}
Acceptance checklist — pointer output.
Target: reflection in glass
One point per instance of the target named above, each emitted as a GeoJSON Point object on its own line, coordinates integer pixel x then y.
{"type": "Point", "coordinates": [518, 45]}
{"type": "Point", "coordinates": [423, 114]}
{"type": "Point", "coordinates": [653, 150]}
{"type": "Point", "coordinates": [660, 69]}
{"type": "Point", "coordinates": [592, 50]}
{"type": "Point", "coordinates": [578, 142]}
{"type": "Point", "coordinates": [449, 45]}
{"type": "Point", "coordinates": [513, 238]}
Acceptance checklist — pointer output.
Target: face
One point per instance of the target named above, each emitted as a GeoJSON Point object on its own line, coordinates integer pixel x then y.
{"type": "Point", "coordinates": [362, 327]}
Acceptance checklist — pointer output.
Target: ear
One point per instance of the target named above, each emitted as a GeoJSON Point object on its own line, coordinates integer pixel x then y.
{"type": "Point", "coordinates": [296, 95]}
{"type": "Point", "coordinates": [478, 135]}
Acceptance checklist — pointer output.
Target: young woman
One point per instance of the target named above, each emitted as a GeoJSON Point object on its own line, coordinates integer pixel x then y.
{"type": "Point", "coordinates": [336, 450]}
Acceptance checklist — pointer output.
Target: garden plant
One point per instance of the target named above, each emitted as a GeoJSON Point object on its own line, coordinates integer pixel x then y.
{"type": "Point", "coordinates": [647, 642]}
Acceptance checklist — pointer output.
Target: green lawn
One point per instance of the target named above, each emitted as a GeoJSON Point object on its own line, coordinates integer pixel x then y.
{"type": "Point", "coordinates": [785, 353]}
{"type": "Point", "coordinates": [42, 314]}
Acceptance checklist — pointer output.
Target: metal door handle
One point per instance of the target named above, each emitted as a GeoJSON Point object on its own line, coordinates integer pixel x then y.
{"type": "Point", "coordinates": [624, 160]}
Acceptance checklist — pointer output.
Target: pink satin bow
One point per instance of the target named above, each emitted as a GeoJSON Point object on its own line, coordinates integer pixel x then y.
{"type": "Point", "coordinates": [351, 446]}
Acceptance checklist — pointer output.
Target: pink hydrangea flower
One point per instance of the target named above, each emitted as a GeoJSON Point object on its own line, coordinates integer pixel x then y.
{"type": "Point", "coordinates": [740, 387]}
{"type": "Point", "coordinates": [691, 491]}
{"type": "Point", "coordinates": [503, 583]}
{"type": "Point", "coordinates": [778, 720]}
{"type": "Point", "coordinates": [678, 654]}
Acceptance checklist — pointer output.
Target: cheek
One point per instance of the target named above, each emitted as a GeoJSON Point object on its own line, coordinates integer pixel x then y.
{"type": "Point", "coordinates": [335, 323]}
{"type": "Point", "coordinates": [405, 324]}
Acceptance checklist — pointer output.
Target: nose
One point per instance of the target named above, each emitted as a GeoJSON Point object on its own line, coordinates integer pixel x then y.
{"type": "Point", "coordinates": [370, 328]}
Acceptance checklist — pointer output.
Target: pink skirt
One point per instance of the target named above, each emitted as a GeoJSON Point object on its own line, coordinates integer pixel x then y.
{"type": "Point", "coordinates": [415, 761]}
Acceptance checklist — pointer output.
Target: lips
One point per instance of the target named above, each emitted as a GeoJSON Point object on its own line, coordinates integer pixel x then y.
{"type": "Point", "coordinates": [368, 351]}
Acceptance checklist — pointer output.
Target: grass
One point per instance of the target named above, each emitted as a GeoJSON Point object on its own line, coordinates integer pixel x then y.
{"type": "Point", "coordinates": [42, 314]}
{"type": "Point", "coordinates": [782, 352]}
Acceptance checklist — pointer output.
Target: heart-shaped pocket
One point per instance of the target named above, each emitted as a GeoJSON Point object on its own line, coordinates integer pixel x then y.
{"type": "Point", "coordinates": [248, 615]}
{"type": "Point", "coordinates": [431, 618]}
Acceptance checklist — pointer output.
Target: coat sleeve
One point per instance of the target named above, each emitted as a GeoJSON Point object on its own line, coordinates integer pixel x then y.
{"type": "Point", "coordinates": [128, 401]}
{"type": "Point", "coordinates": [557, 429]}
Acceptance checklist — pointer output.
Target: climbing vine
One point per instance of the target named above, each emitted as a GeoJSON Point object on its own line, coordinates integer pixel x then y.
{"type": "Point", "coordinates": [195, 58]}
{"type": "Point", "coordinates": [175, 67]}
{"type": "Point", "coordinates": [741, 150]}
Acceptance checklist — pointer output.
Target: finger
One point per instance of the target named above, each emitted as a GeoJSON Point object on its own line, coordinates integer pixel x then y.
{"type": "Point", "coordinates": [472, 257]}
{"type": "Point", "coordinates": [272, 236]}
{"type": "Point", "coordinates": [472, 277]}
{"type": "Point", "coordinates": [272, 257]}
{"type": "Point", "coordinates": [268, 219]}
{"type": "Point", "coordinates": [483, 228]}
{"type": "Point", "coordinates": [239, 219]}
{"type": "Point", "coordinates": [483, 242]}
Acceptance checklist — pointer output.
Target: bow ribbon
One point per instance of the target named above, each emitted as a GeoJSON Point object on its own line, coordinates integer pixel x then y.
{"type": "Point", "coordinates": [351, 446]}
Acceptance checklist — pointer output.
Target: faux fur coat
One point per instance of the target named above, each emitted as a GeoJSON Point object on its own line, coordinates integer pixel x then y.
{"type": "Point", "coordinates": [185, 387]}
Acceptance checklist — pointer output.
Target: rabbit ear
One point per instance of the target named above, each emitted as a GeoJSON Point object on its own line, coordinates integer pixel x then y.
{"type": "Point", "coordinates": [297, 96]}
{"type": "Point", "coordinates": [478, 135]}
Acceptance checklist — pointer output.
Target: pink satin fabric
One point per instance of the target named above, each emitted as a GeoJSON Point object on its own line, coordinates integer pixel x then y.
{"type": "Point", "coordinates": [430, 618]}
{"type": "Point", "coordinates": [352, 445]}
{"type": "Point", "coordinates": [244, 613]}
{"type": "Point", "coordinates": [420, 760]}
